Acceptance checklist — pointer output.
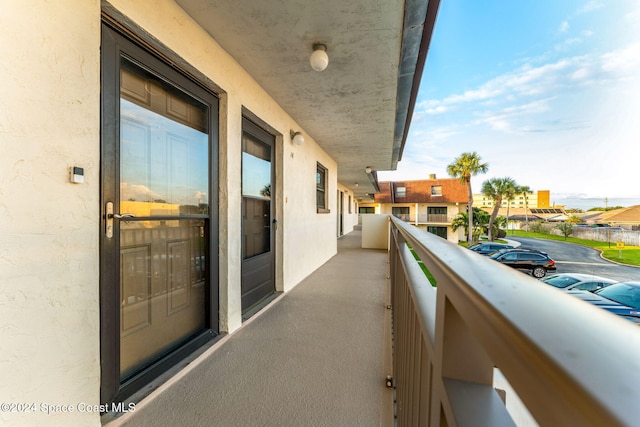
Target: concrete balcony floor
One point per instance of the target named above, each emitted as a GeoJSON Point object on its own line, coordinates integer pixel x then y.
{"type": "Point", "coordinates": [317, 356]}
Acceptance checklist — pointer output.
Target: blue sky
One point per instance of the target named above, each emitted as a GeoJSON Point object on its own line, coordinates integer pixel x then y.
{"type": "Point", "coordinates": [546, 91]}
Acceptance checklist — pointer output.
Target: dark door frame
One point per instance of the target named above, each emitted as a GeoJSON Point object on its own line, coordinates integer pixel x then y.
{"type": "Point", "coordinates": [340, 209]}
{"type": "Point", "coordinates": [249, 126]}
{"type": "Point", "coordinates": [114, 45]}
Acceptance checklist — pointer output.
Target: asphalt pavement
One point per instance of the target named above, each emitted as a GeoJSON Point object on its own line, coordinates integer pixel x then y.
{"type": "Point", "coordinates": [572, 258]}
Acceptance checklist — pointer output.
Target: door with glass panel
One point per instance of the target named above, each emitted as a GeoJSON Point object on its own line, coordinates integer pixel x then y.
{"type": "Point", "coordinates": [258, 219]}
{"type": "Point", "coordinates": [157, 283]}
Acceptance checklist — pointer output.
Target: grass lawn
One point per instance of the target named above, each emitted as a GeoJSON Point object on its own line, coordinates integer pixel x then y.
{"type": "Point", "coordinates": [425, 270]}
{"type": "Point", "coordinates": [627, 255]}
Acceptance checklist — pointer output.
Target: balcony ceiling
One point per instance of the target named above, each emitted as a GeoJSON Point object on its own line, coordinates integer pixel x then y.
{"type": "Point", "coordinates": [357, 108]}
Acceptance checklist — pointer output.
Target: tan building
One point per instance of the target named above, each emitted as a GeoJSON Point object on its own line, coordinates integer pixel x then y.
{"type": "Point", "coordinates": [430, 204]}
{"type": "Point", "coordinates": [540, 199]}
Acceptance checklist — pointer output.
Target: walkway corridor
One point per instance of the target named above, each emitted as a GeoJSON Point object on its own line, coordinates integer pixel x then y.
{"type": "Point", "coordinates": [317, 357]}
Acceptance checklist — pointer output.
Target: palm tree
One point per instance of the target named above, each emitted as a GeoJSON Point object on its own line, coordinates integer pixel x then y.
{"type": "Point", "coordinates": [480, 220]}
{"type": "Point", "coordinates": [524, 190]}
{"type": "Point", "coordinates": [464, 167]}
{"type": "Point", "coordinates": [500, 223]}
{"type": "Point", "coordinates": [509, 197]}
{"type": "Point", "coordinates": [498, 189]}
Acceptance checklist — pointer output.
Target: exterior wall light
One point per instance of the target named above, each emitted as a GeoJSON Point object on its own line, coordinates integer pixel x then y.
{"type": "Point", "coordinates": [319, 58]}
{"type": "Point", "coordinates": [296, 138]}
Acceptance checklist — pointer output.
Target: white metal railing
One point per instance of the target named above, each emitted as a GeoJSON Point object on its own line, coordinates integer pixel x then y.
{"type": "Point", "coordinates": [570, 363]}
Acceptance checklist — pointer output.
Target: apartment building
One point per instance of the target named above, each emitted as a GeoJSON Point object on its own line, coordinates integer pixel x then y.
{"type": "Point", "coordinates": [537, 199]}
{"type": "Point", "coordinates": [430, 204]}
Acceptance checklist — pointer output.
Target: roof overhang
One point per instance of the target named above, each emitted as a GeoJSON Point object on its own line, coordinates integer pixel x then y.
{"type": "Point", "coordinates": [359, 109]}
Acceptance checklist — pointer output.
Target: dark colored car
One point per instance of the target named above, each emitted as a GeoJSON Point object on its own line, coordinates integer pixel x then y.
{"type": "Point", "coordinates": [577, 282]}
{"type": "Point", "coordinates": [487, 248]}
{"type": "Point", "coordinates": [621, 298]}
{"type": "Point", "coordinates": [535, 262]}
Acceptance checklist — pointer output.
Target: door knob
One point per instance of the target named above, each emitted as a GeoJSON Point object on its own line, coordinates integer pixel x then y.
{"type": "Point", "coordinates": [109, 216]}
{"type": "Point", "coordinates": [120, 216]}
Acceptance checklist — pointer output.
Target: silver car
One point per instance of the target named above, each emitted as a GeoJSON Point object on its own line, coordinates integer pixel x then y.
{"type": "Point", "coordinates": [577, 282]}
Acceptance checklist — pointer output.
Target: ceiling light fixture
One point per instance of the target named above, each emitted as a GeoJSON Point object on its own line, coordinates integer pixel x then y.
{"type": "Point", "coordinates": [367, 169]}
{"type": "Point", "coordinates": [296, 138]}
{"type": "Point", "coordinates": [319, 58]}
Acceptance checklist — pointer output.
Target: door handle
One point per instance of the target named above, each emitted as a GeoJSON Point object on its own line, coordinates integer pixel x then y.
{"type": "Point", "coordinates": [121, 216]}
{"type": "Point", "coordinates": [109, 216]}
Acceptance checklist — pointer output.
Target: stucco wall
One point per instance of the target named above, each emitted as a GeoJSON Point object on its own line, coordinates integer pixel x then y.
{"type": "Point", "coordinates": [49, 121]}
{"type": "Point", "coordinates": [49, 252]}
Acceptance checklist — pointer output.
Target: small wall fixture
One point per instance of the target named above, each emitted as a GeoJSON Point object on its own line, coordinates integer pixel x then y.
{"type": "Point", "coordinates": [367, 169]}
{"type": "Point", "coordinates": [319, 58]}
{"type": "Point", "coordinates": [297, 138]}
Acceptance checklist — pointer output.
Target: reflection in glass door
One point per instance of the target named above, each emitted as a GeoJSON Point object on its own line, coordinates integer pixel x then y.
{"type": "Point", "coordinates": [164, 181]}
{"type": "Point", "coordinates": [257, 212]}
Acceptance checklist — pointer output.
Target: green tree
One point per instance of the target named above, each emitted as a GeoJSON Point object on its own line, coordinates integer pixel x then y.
{"type": "Point", "coordinates": [464, 167]}
{"type": "Point", "coordinates": [500, 227]}
{"type": "Point", "coordinates": [566, 228]}
{"type": "Point", "coordinates": [480, 220]}
{"type": "Point", "coordinates": [574, 219]}
{"type": "Point", "coordinates": [498, 189]}
{"type": "Point", "coordinates": [525, 190]}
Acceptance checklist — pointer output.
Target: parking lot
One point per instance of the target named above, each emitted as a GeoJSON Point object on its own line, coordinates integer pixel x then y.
{"type": "Point", "coordinates": [572, 258]}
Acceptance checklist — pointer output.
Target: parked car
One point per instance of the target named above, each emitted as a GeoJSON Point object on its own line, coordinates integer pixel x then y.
{"type": "Point", "coordinates": [486, 248]}
{"type": "Point", "coordinates": [536, 262]}
{"type": "Point", "coordinates": [621, 298]}
{"type": "Point", "coordinates": [577, 281]}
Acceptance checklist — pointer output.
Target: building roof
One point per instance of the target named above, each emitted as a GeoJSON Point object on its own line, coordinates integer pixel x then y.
{"type": "Point", "coordinates": [532, 214]}
{"type": "Point", "coordinates": [630, 215]}
{"type": "Point", "coordinates": [419, 191]}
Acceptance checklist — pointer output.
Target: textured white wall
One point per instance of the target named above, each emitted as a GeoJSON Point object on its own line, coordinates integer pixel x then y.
{"type": "Point", "coordinates": [49, 252]}
{"type": "Point", "coordinates": [375, 231]}
{"type": "Point", "coordinates": [49, 121]}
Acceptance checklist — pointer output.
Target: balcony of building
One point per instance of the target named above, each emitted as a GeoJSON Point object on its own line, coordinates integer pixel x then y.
{"type": "Point", "coordinates": [320, 354]}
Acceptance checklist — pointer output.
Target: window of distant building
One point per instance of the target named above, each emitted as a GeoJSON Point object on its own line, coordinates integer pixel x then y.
{"type": "Point", "coordinates": [438, 231]}
{"type": "Point", "coordinates": [401, 191]}
{"type": "Point", "coordinates": [367, 210]}
{"type": "Point", "coordinates": [401, 212]}
{"type": "Point", "coordinates": [321, 189]}
{"type": "Point", "coordinates": [436, 190]}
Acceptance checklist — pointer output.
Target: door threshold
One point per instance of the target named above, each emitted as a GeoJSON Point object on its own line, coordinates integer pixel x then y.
{"type": "Point", "coordinates": [251, 311]}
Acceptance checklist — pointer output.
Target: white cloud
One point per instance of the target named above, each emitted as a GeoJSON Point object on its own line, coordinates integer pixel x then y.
{"type": "Point", "coordinates": [590, 6]}
{"type": "Point", "coordinates": [542, 80]}
{"type": "Point", "coordinates": [568, 44]}
{"type": "Point", "coordinates": [137, 192]}
{"type": "Point", "coordinates": [564, 27]}
{"type": "Point", "coordinates": [503, 120]}
{"type": "Point", "coordinates": [437, 110]}
{"type": "Point", "coordinates": [622, 62]}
